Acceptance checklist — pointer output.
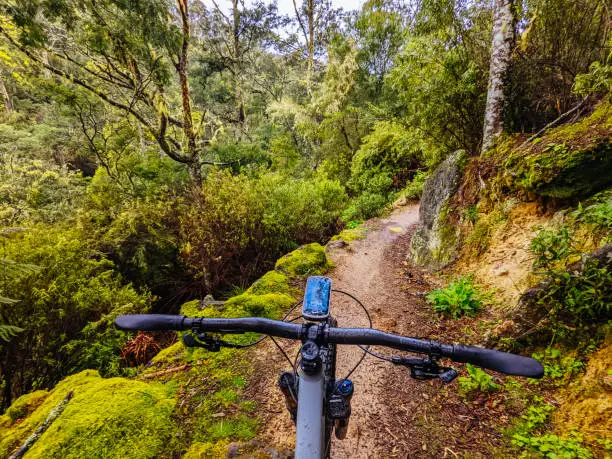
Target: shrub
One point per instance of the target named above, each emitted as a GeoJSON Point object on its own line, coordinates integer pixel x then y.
{"type": "Point", "coordinates": [237, 226]}
{"type": "Point", "coordinates": [459, 298]}
{"type": "Point", "coordinates": [138, 233]}
{"type": "Point", "coordinates": [365, 206]}
{"type": "Point", "coordinates": [549, 246]}
{"type": "Point", "coordinates": [579, 298]}
{"type": "Point", "coordinates": [388, 157]}
{"type": "Point", "coordinates": [598, 213]}
{"type": "Point", "coordinates": [477, 381]}
{"type": "Point", "coordinates": [414, 189]}
{"type": "Point", "coordinates": [65, 309]}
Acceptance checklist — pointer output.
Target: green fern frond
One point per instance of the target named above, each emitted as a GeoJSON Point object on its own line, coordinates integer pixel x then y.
{"type": "Point", "coordinates": [9, 331]}
{"type": "Point", "coordinates": [11, 267]}
{"type": "Point", "coordinates": [4, 300]}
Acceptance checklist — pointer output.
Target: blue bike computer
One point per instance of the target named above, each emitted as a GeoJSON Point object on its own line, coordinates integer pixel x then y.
{"type": "Point", "coordinates": [316, 298]}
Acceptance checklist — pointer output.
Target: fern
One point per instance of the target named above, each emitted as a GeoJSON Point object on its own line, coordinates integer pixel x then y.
{"type": "Point", "coordinates": [13, 268]}
{"type": "Point", "coordinates": [4, 300]}
{"type": "Point", "coordinates": [9, 331]}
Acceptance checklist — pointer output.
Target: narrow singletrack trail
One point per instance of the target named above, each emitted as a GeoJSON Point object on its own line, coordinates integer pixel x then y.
{"type": "Point", "coordinates": [371, 272]}
{"type": "Point", "coordinates": [392, 414]}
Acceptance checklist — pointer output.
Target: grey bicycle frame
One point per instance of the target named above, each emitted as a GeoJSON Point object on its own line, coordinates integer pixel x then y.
{"type": "Point", "coordinates": [310, 443]}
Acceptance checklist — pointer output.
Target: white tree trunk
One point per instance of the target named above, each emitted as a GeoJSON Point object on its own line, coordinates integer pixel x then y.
{"type": "Point", "coordinates": [501, 51]}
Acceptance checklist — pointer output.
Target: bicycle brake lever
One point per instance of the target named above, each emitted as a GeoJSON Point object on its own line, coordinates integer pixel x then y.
{"type": "Point", "coordinates": [425, 369]}
{"type": "Point", "coordinates": [207, 342]}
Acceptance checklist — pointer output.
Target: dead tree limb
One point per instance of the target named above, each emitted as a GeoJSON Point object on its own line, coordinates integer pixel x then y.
{"type": "Point", "coordinates": [55, 412]}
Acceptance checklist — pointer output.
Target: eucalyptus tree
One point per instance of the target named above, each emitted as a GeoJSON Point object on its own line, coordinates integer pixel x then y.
{"type": "Point", "coordinates": [317, 21]}
{"type": "Point", "coordinates": [379, 31]}
{"type": "Point", "coordinates": [504, 26]}
{"type": "Point", "coordinates": [134, 56]}
{"type": "Point", "coordinates": [236, 46]}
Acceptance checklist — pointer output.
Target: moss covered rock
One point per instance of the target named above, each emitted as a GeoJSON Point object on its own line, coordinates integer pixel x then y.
{"type": "Point", "coordinates": [273, 282]}
{"type": "Point", "coordinates": [435, 241]}
{"type": "Point", "coordinates": [106, 418]}
{"type": "Point", "coordinates": [23, 406]}
{"type": "Point", "coordinates": [308, 260]}
{"type": "Point", "coordinates": [571, 161]}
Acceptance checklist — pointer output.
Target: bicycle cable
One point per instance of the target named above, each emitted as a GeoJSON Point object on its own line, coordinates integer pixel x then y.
{"type": "Point", "coordinates": [365, 349]}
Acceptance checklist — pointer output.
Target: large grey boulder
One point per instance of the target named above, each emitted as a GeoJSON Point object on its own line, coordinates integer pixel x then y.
{"type": "Point", "coordinates": [435, 241]}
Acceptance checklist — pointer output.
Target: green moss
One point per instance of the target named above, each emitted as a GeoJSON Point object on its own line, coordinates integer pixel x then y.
{"type": "Point", "coordinates": [24, 405]}
{"type": "Point", "coordinates": [567, 162]}
{"type": "Point", "coordinates": [272, 282]}
{"type": "Point", "coordinates": [106, 418]}
{"type": "Point", "coordinates": [192, 309]}
{"type": "Point", "coordinates": [308, 260]}
{"type": "Point", "coordinates": [173, 355]}
{"type": "Point", "coordinates": [444, 251]}
{"type": "Point", "coordinates": [207, 450]}
{"type": "Point", "coordinates": [269, 305]}
{"type": "Point", "coordinates": [349, 235]}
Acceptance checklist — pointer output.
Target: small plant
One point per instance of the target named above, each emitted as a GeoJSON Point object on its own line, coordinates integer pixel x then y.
{"type": "Point", "coordinates": [553, 447]}
{"type": "Point", "coordinates": [461, 297]}
{"type": "Point", "coordinates": [536, 415]}
{"type": "Point", "coordinates": [471, 213]}
{"type": "Point", "coordinates": [599, 214]}
{"type": "Point", "coordinates": [579, 298]}
{"type": "Point", "coordinates": [557, 367]}
{"type": "Point", "coordinates": [559, 148]}
{"type": "Point", "coordinates": [353, 224]}
{"type": "Point", "coordinates": [549, 246]}
{"type": "Point", "coordinates": [477, 381]}
{"type": "Point", "coordinates": [526, 435]}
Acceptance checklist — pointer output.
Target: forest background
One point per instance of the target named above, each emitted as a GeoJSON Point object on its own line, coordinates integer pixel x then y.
{"type": "Point", "coordinates": [156, 152]}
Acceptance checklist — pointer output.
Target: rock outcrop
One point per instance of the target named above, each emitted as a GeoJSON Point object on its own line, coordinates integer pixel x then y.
{"type": "Point", "coordinates": [435, 241]}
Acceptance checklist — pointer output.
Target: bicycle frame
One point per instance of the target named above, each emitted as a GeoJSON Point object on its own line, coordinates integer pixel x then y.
{"type": "Point", "coordinates": [314, 428]}
{"type": "Point", "coordinates": [310, 425]}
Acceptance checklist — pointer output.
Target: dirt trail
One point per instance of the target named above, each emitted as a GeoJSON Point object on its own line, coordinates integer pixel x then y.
{"type": "Point", "coordinates": [392, 415]}
{"type": "Point", "coordinates": [370, 271]}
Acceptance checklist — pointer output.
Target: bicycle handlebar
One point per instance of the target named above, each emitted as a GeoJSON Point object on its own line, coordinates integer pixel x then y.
{"type": "Point", "coordinates": [502, 362]}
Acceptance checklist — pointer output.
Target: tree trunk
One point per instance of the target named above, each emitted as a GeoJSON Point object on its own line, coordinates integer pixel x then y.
{"type": "Point", "coordinates": [182, 67]}
{"type": "Point", "coordinates": [8, 368]}
{"type": "Point", "coordinates": [237, 66]}
{"type": "Point", "coordinates": [311, 44]}
{"type": "Point", "coordinates": [8, 105]}
{"type": "Point", "coordinates": [501, 50]}
{"type": "Point", "coordinates": [195, 173]}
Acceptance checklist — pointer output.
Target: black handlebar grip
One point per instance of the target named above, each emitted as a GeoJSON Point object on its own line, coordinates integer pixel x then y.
{"type": "Point", "coordinates": [151, 322]}
{"type": "Point", "coordinates": [510, 364]}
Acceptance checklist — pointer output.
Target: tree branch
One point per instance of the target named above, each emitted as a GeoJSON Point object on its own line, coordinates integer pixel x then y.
{"type": "Point", "coordinates": [552, 123]}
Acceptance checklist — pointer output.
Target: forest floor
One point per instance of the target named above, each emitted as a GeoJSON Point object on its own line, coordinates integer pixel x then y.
{"type": "Point", "coordinates": [392, 414]}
